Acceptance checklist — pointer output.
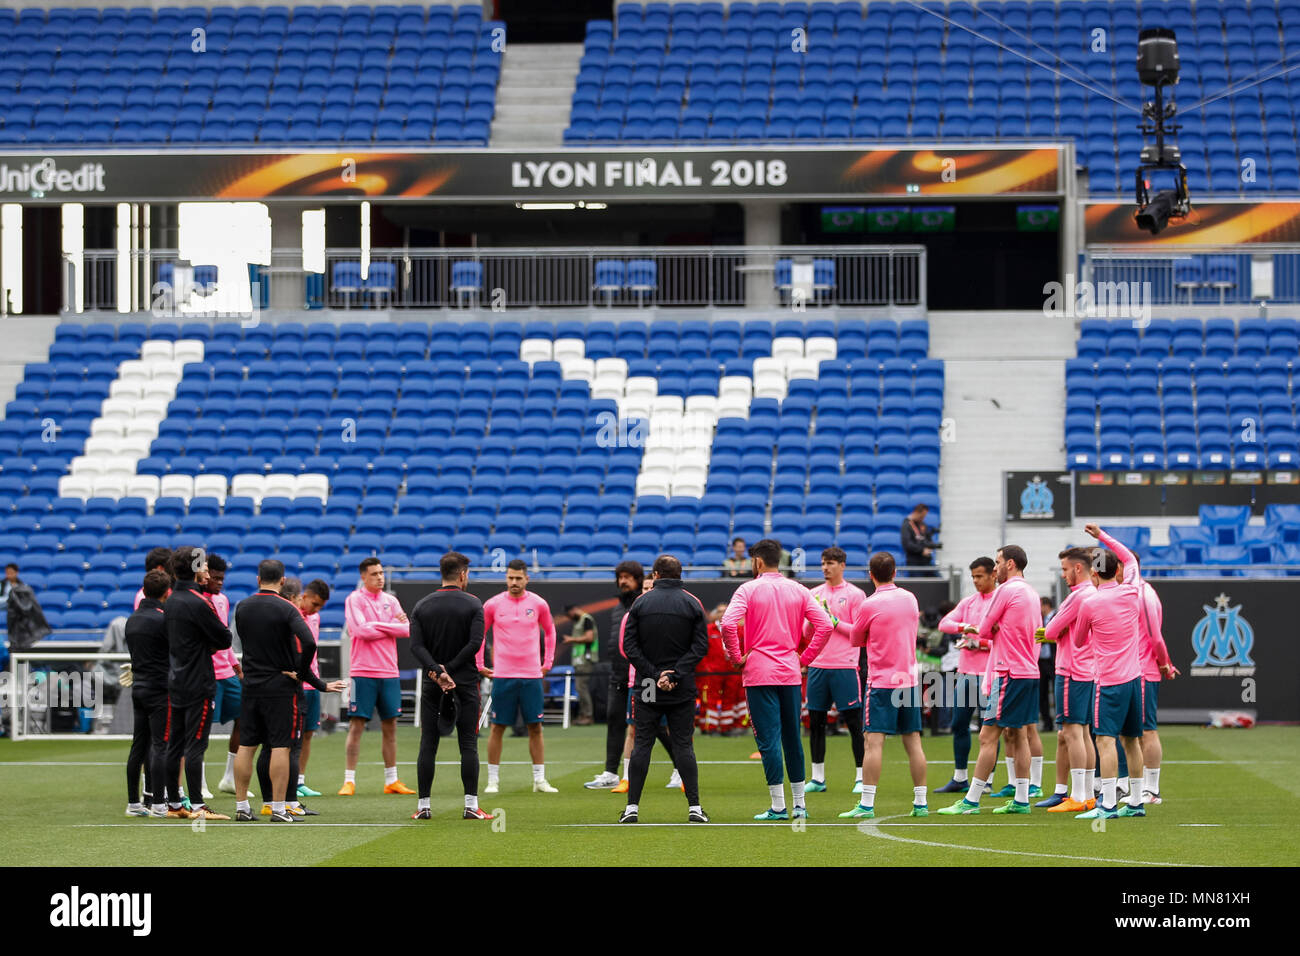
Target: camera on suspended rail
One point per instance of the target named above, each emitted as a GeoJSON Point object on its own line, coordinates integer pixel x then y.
{"type": "Point", "coordinates": [1157, 67]}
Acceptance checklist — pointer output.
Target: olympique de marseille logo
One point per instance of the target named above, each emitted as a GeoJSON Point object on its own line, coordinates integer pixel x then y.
{"type": "Point", "coordinates": [1036, 500]}
{"type": "Point", "coordinates": [1222, 639]}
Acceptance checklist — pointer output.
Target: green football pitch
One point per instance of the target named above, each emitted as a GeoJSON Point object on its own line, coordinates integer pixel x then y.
{"type": "Point", "coordinates": [1228, 798]}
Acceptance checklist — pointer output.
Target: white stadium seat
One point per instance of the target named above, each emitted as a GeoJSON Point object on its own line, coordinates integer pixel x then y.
{"type": "Point", "coordinates": [279, 486]}
{"type": "Point", "coordinates": [578, 369]}
{"type": "Point", "coordinates": [820, 348]}
{"type": "Point", "coordinates": [210, 486]}
{"type": "Point", "coordinates": [156, 349]}
{"type": "Point", "coordinates": [176, 486]}
{"type": "Point", "coordinates": [536, 350]}
{"type": "Point", "coordinates": [786, 347]}
{"type": "Point", "coordinates": [143, 486]}
{"type": "Point", "coordinates": [569, 349]}
{"type": "Point", "coordinates": [109, 426]}
{"type": "Point", "coordinates": [642, 385]}
{"type": "Point", "coordinates": [611, 367]}
{"type": "Point", "coordinates": [75, 486]}
{"type": "Point", "coordinates": [247, 486]}
{"type": "Point", "coordinates": [110, 486]}
{"type": "Point", "coordinates": [134, 370]}
{"type": "Point", "coordinates": [188, 350]}
{"type": "Point", "coordinates": [312, 486]}
{"type": "Point", "coordinates": [130, 389]}
{"type": "Point", "coordinates": [801, 368]}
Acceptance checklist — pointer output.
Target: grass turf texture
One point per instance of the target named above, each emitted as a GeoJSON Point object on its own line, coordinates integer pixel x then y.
{"type": "Point", "coordinates": [61, 803]}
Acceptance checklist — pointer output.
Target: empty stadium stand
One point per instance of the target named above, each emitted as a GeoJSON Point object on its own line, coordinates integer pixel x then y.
{"type": "Point", "coordinates": [1183, 394]}
{"type": "Point", "coordinates": [220, 76]}
{"type": "Point", "coordinates": [571, 444]}
{"type": "Point", "coordinates": [818, 72]}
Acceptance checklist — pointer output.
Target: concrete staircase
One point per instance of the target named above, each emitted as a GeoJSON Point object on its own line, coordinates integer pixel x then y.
{"type": "Point", "coordinates": [1004, 394]}
{"type": "Point", "coordinates": [27, 338]}
{"type": "Point", "coordinates": [534, 95]}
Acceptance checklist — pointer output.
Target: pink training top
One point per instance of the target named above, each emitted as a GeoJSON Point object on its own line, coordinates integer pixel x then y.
{"type": "Point", "coordinates": [969, 610]}
{"type": "Point", "coordinates": [514, 623]}
{"type": "Point", "coordinates": [1110, 621]}
{"type": "Point", "coordinates": [371, 617]}
{"type": "Point", "coordinates": [223, 661]}
{"type": "Point", "coordinates": [1073, 662]}
{"type": "Point", "coordinates": [1017, 610]}
{"type": "Point", "coordinates": [844, 601]}
{"type": "Point", "coordinates": [774, 609]}
{"type": "Point", "coordinates": [1153, 650]}
{"type": "Point", "coordinates": [313, 622]}
{"type": "Point", "coordinates": [886, 625]}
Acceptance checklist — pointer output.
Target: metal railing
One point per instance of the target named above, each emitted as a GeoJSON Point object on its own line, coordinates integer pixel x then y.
{"type": "Point", "coordinates": [1196, 275]}
{"type": "Point", "coordinates": [511, 278]}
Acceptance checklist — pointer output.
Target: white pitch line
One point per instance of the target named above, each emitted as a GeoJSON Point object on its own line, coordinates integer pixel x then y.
{"type": "Point", "coordinates": [872, 828]}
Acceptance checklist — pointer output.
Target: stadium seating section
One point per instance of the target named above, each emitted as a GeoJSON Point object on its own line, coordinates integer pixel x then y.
{"type": "Point", "coordinates": [324, 443]}
{"type": "Point", "coordinates": [1183, 394]}
{"type": "Point", "coordinates": [1222, 537]}
{"type": "Point", "coordinates": [242, 75]}
{"type": "Point", "coordinates": [808, 72]}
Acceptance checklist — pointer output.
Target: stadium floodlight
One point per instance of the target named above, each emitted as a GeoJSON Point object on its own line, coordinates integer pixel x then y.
{"type": "Point", "coordinates": [1158, 67]}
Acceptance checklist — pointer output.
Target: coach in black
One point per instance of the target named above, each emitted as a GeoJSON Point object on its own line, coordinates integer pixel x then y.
{"type": "Point", "coordinates": [278, 650]}
{"type": "Point", "coordinates": [666, 637]}
{"type": "Point", "coordinates": [194, 633]}
{"type": "Point", "coordinates": [146, 642]}
{"type": "Point", "coordinates": [446, 633]}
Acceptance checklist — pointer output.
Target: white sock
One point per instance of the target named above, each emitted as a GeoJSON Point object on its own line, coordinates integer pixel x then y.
{"type": "Point", "coordinates": [1135, 791]}
{"type": "Point", "coordinates": [695, 808]}
{"type": "Point", "coordinates": [1109, 800]}
{"type": "Point", "coordinates": [960, 776]}
{"type": "Point", "coordinates": [242, 805]}
{"type": "Point", "coordinates": [1121, 786]}
{"type": "Point", "coordinates": [632, 808]}
{"type": "Point", "coordinates": [1011, 770]}
{"type": "Point", "coordinates": [919, 798]}
{"type": "Point", "coordinates": [1061, 789]}
{"type": "Point", "coordinates": [977, 788]}
{"type": "Point", "coordinates": [135, 806]}
{"type": "Point", "coordinates": [471, 801]}
{"type": "Point", "coordinates": [539, 772]}
{"type": "Point", "coordinates": [390, 775]}
{"type": "Point", "coordinates": [302, 779]}
{"type": "Point", "coordinates": [203, 777]}
{"type": "Point", "coordinates": [796, 792]}
{"type": "Point", "coordinates": [778, 797]}
{"type": "Point", "coordinates": [494, 772]}
{"type": "Point", "coordinates": [162, 807]}
{"type": "Point", "coordinates": [349, 776]}
{"type": "Point", "coordinates": [819, 772]}
{"type": "Point", "coordinates": [868, 798]}
{"type": "Point", "coordinates": [1151, 780]}
{"type": "Point", "coordinates": [626, 763]}
{"type": "Point", "coordinates": [277, 806]}
{"type": "Point", "coordinates": [423, 803]}
{"type": "Point", "coordinates": [292, 803]}
{"type": "Point", "coordinates": [1022, 790]}
{"type": "Point", "coordinates": [230, 764]}
{"type": "Point", "coordinates": [857, 776]}
{"type": "Point", "coordinates": [181, 788]}
{"type": "Point", "coordinates": [1078, 782]}
{"type": "Point", "coordinates": [1035, 771]}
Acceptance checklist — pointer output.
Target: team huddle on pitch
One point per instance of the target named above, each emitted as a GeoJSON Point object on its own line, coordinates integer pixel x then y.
{"type": "Point", "coordinates": [1110, 659]}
